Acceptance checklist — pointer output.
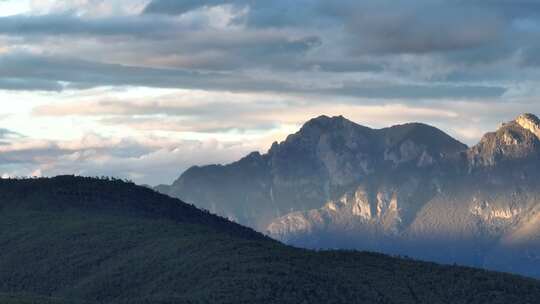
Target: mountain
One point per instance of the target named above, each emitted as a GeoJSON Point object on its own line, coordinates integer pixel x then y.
{"type": "Point", "coordinates": [324, 160]}
{"type": "Point", "coordinates": [409, 190]}
{"type": "Point", "coordinates": [483, 213]}
{"type": "Point", "coordinates": [70, 240]}
{"type": "Point", "coordinates": [516, 140]}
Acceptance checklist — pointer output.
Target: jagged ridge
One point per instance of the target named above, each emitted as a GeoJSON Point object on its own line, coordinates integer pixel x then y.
{"type": "Point", "coordinates": [322, 161]}
{"type": "Point", "coordinates": [408, 189]}
{"type": "Point", "coordinates": [477, 207]}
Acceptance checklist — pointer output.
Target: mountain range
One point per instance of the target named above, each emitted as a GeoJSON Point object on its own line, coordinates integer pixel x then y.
{"type": "Point", "coordinates": [409, 189]}
{"type": "Point", "coordinates": [75, 240]}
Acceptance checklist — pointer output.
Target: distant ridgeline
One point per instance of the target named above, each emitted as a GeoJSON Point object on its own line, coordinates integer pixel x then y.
{"type": "Point", "coordinates": [409, 189]}
{"type": "Point", "coordinates": [69, 240]}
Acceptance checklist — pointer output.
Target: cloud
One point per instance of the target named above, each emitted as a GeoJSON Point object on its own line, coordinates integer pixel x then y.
{"type": "Point", "coordinates": [144, 160]}
{"type": "Point", "coordinates": [258, 14]}
{"type": "Point", "coordinates": [263, 123]}
{"type": "Point", "coordinates": [413, 91]}
{"type": "Point", "coordinates": [373, 26]}
{"type": "Point", "coordinates": [153, 108]}
{"type": "Point", "coordinates": [180, 7]}
{"type": "Point", "coordinates": [6, 134]}
{"type": "Point", "coordinates": [308, 35]}
{"type": "Point", "coordinates": [42, 72]}
{"type": "Point", "coordinates": [470, 32]}
{"type": "Point", "coordinates": [427, 30]}
{"type": "Point", "coordinates": [172, 116]}
{"type": "Point", "coordinates": [88, 7]}
{"type": "Point", "coordinates": [236, 115]}
{"type": "Point", "coordinates": [159, 40]}
{"type": "Point", "coordinates": [249, 72]}
{"type": "Point", "coordinates": [67, 24]}
{"type": "Point", "coordinates": [509, 8]}
{"type": "Point", "coordinates": [151, 158]}
{"type": "Point", "coordinates": [17, 84]}
{"type": "Point", "coordinates": [48, 72]}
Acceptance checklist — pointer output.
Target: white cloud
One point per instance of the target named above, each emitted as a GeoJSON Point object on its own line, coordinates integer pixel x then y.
{"type": "Point", "coordinates": [13, 7]}
{"type": "Point", "coordinates": [149, 160]}
{"type": "Point", "coordinates": [91, 8]}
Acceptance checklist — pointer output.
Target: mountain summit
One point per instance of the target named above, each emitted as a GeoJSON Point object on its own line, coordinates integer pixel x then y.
{"type": "Point", "coordinates": [515, 140]}
{"type": "Point", "coordinates": [408, 189]}
{"type": "Point", "coordinates": [326, 158]}
{"type": "Point", "coordinates": [529, 122]}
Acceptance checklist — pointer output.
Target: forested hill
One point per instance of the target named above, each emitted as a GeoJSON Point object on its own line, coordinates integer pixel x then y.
{"type": "Point", "coordinates": [83, 240]}
{"type": "Point", "coordinates": [109, 196]}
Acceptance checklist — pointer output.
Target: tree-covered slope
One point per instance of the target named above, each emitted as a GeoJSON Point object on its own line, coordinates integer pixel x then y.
{"type": "Point", "coordinates": [82, 240]}
{"type": "Point", "coordinates": [24, 299]}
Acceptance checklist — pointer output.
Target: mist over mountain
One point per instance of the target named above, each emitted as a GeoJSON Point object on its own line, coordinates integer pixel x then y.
{"type": "Point", "coordinates": [410, 189]}
{"type": "Point", "coordinates": [73, 240]}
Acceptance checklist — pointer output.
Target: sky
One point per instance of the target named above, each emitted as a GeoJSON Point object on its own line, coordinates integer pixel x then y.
{"type": "Point", "coordinates": [144, 89]}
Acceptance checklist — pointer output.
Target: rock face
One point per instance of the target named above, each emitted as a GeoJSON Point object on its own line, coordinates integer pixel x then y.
{"type": "Point", "coordinates": [515, 140]}
{"type": "Point", "coordinates": [328, 157]}
{"type": "Point", "coordinates": [409, 190]}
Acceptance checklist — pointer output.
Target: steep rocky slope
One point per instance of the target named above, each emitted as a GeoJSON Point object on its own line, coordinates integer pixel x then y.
{"type": "Point", "coordinates": [327, 158]}
{"type": "Point", "coordinates": [482, 213]}
{"type": "Point", "coordinates": [409, 189]}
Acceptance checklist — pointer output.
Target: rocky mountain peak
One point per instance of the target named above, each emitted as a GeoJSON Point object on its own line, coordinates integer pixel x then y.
{"type": "Point", "coordinates": [338, 184]}
{"type": "Point", "coordinates": [517, 139]}
{"type": "Point", "coordinates": [324, 120]}
{"type": "Point", "coordinates": [327, 124]}
{"type": "Point", "coordinates": [327, 133]}
{"type": "Point", "coordinates": [529, 122]}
